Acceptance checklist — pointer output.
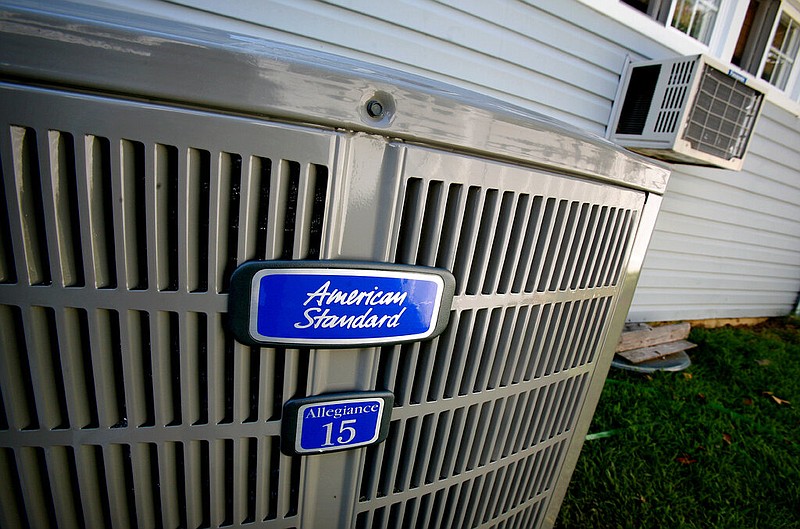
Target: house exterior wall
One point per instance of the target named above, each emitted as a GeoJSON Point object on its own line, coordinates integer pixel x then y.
{"type": "Point", "coordinates": [727, 244]}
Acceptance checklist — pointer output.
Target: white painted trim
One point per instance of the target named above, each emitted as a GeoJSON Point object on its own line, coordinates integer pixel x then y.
{"type": "Point", "coordinates": [616, 106]}
{"type": "Point", "coordinates": [792, 82]}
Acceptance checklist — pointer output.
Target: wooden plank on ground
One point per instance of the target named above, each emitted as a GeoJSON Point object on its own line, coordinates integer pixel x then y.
{"type": "Point", "coordinates": [653, 336]}
{"type": "Point", "coordinates": [643, 354]}
{"type": "Point", "coordinates": [722, 322]}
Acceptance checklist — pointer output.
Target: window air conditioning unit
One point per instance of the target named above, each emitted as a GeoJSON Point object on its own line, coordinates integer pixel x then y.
{"type": "Point", "coordinates": [690, 110]}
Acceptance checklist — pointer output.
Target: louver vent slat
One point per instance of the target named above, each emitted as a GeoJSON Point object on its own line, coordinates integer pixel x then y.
{"type": "Point", "coordinates": [67, 213]}
{"type": "Point", "coordinates": [134, 182]}
{"type": "Point", "coordinates": [8, 272]}
{"type": "Point", "coordinates": [97, 164]}
{"type": "Point", "coordinates": [27, 186]}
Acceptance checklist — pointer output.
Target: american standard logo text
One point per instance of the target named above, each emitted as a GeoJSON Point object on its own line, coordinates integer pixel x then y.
{"type": "Point", "coordinates": [317, 317]}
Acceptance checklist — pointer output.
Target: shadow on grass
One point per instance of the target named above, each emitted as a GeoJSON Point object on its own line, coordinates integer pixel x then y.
{"type": "Point", "coordinates": [715, 446]}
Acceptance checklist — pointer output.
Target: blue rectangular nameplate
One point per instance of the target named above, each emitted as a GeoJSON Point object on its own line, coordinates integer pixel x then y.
{"type": "Point", "coordinates": [338, 304]}
{"type": "Point", "coordinates": [738, 76]}
{"type": "Point", "coordinates": [328, 423]}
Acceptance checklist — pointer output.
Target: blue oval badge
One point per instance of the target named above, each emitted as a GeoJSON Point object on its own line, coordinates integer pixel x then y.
{"type": "Point", "coordinates": [338, 304]}
{"type": "Point", "coordinates": [332, 422]}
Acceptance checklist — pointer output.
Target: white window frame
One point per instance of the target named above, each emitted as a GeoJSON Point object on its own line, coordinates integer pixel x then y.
{"type": "Point", "coordinates": [792, 88]}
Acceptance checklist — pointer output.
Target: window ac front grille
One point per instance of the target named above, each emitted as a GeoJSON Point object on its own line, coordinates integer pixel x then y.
{"type": "Point", "coordinates": [722, 118]}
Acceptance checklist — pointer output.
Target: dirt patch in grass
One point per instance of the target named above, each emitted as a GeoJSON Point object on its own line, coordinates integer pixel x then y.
{"type": "Point", "coordinates": [717, 445]}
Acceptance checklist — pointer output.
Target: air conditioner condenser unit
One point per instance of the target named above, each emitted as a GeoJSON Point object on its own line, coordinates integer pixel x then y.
{"type": "Point", "coordinates": [247, 284]}
{"type": "Point", "coordinates": [690, 110]}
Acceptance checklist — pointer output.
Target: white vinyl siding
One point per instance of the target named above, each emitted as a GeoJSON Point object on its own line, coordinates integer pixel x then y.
{"type": "Point", "coordinates": [726, 245]}
{"type": "Point", "coordinates": [538, 57]}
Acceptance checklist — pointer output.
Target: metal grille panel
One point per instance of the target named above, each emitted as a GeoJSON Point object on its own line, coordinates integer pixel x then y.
{"type": "Point", "coordinates": [124, 400]}
{"type": "Point", "coordinates": [514, 243]}
{"type": "Point", "coordinates": [483, 413]}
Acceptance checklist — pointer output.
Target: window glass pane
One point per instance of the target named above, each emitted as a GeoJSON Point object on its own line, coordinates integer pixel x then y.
{"type": "Point", "coordinates": [696, 18]}
{"type": "Point", "coordinates": [745, 34]}
{"type": "Point", "coordinates": [791, 40]}
{"type": "Point", "coordinates": [782, 53]}
{"type": "Point", "coordinates": [655, 9]}
{"type": "Point", "coordinates": [641, 5]}
{"type": "Point", "coordinates": [780, 32]}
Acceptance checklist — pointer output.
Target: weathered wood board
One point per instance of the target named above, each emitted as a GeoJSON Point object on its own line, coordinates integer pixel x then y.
{"type": "Point", "coordinates": [652, 352]}
{"type": "Point", "coordinates": [653, 336]}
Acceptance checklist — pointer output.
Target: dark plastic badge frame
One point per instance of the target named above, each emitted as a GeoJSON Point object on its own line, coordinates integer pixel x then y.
{"type": "Point", "coordinates": [240, 299]}
{"type": "Point", "coordinates": [289, 421]}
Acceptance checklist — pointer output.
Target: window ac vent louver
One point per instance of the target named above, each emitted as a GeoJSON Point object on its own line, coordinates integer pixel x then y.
{"type": "Point", "coordinates": [687, 110]}
{"type": "Point", "coordinates": [674, 97]}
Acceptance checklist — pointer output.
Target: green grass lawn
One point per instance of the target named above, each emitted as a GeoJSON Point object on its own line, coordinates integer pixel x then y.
{"type": "Point", "coordinates": [715, 446]}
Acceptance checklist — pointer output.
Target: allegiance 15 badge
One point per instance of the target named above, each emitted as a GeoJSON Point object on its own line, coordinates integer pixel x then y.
{"type": "Point", "coordinates": [333, 422]}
